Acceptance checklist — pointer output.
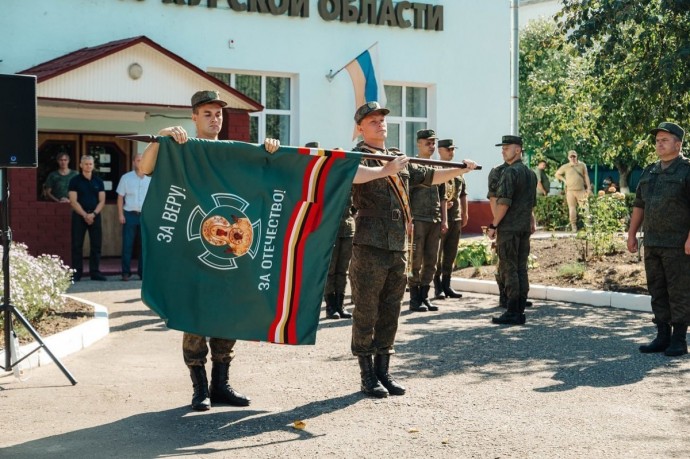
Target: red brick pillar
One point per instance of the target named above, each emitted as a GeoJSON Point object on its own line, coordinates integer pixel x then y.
{"type": "Point", "coordinates": [235, 125]}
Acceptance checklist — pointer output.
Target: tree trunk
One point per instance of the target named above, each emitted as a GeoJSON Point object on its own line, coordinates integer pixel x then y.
{"type": "Point", "coordinates": [623, 172]}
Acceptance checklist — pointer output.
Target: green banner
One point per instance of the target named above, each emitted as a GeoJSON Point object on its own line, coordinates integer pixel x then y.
{"type": "Point", "coordinates": [237, 242]}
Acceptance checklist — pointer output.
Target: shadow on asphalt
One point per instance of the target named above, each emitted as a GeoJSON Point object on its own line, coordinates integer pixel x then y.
{"type": "Point", "coordinates": [581, 345]}
{"type": "Point", "coordinates": [179, 432]}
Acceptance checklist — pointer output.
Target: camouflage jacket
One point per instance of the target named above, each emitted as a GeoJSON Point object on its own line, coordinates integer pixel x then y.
{"type": "Point", "coordinates": [386, 229]}
{"type": "Point", "coordinates": [347, 220]}
{"type": "Point", "coordinates": [517, 189]}
{"type": "Point", "coordinates": [425, 202]}
{"type": "Point", "coordinates": [494, 177]}
{"type": "Point", "coordinates": [455, 188]}
{"type": "Point", "coordinates": [664, 194]}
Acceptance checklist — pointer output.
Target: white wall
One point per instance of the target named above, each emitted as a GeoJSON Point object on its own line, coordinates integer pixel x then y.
{"type": "Point", "coordinates": [537, 9]}
{"type": "Point", "coordinates": [467, 64]}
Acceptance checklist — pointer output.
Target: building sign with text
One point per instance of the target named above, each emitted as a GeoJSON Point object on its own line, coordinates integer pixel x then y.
{"type": "Point", "coordinates": [403, 14]}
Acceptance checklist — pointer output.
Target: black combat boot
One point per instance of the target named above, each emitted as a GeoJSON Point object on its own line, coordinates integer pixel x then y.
{"type": "Point", "coordinates": [381, 362]}
{"type": "Point", "coordinates": [370, 383]}
{"type": "Point", "coordinates": [331, 309]}
{"type": "Point", "coordinates": [438, 289]}
{"type": "Point", "coordinates": [512, 316]}
{"type": "Point", "coordinates": [447, 289]}
{"type": "Point", "coordinates": [424, 291]}
{"type": "Point", "coordinates": [679, 343]}
{"type": "Point", "coordinates": [416, 299]}
{"type": "Point", "coordinates": [221, 392]}
{"type": "Point", "coordinates": [662, 340]}
{"type": "Point", "coordinates": [200, 400]}
{"type": "Point", "coordinates": [339, 301]}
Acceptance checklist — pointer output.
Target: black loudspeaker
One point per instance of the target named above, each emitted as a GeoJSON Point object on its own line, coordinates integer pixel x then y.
{"type": "Point", "coordinates": [18, 144]}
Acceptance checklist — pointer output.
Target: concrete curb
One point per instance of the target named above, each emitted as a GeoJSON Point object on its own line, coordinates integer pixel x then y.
{"type": "Point", "coordinates": [72, 340]}
{"type": "Point", "coordinates": [618, 300]}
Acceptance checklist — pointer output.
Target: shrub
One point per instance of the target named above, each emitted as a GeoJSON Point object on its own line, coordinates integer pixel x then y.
{"type": "Point", "coordinates": [551, 212]}
{"type": "Point", "coordinates": [476, 254]}
{"type": "Point", "coordinates": [572, 271]}
{"type": "Point", "coordinates": [604, 217]}
{"type": "Point", "coordinates": [36, 283]}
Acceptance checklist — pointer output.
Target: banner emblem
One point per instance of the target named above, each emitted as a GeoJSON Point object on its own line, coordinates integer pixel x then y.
{"type": "Point", "coordinates": [225, 232]}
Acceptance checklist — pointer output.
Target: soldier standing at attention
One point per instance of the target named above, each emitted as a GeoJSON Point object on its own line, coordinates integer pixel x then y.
{"type": "Point", "coordinates": [456, 208]}
{"type": "Point", "coordinates": [494, 177]}
{"type": "Point", "coordinates": [662, 203]}
{"type": "Point", "coordinates": [512, 225]}
{"type": "Point", "coordinates": [377, 269]}
{"type": "Point", "coordinates": [428, 204]}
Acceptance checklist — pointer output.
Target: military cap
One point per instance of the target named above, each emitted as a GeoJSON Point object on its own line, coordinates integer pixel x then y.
{"type": "Point", "coordinates": [446, 143]}
{"type": "Point", "coordinates": [510, 140]}
{"type": "Point", "coordinates": [369, 108]}
{"type": "Point", "coordinates": [672, 128]}
{"type": "Point", "coordinates": [207, 97]}
{"type": "Point", "coordinates": [426, 134]}
{"type": "Point", "coordinates": [312, 144]}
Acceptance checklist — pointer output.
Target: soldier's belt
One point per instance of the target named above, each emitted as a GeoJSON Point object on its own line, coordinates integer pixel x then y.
{"type": "Point", "coordinates": [394, 214]}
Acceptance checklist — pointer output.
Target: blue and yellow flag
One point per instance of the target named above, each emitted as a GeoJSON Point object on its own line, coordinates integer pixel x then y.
{"type": "Point", "coordinates": [237, 241]}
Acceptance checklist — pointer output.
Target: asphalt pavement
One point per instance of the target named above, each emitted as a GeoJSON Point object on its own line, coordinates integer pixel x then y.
{"type": "Point", "coordinates": [568, 384]}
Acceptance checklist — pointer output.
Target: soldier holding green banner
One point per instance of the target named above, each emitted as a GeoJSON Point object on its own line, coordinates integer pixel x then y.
{"type": "Point", "coordinates": [207, 114]}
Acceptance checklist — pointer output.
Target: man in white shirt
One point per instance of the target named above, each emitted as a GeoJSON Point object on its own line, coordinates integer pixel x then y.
{"type": "Point", "coordinates": [131, 192]}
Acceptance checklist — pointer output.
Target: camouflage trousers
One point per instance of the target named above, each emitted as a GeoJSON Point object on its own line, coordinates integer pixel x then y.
{"type": "Point", "coordinates": [340, 262]}
{"type": "Point", "coordinates": [427, 238]}
{"type": "Point", "coordinates": [378, 282]}
{"type": "Point", "coordinates": [668, 282]}
{"type": "Point", "coordinates": [449, 248]}
{"type": "Point", "coordinates": [513, 253]}
{"type": "Point", "coordinates": [195, 349]}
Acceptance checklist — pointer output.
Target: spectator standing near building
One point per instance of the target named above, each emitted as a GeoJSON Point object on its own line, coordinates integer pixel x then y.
{"type": "Point", "coordinates": [131, 192]}
{"type": "Point", "coordinates": [56, 187]}
{"type": "Point", "coordinates": [512, 225]}
{"type": "Point", "coordinates": [457, 218]}
{"type": "Point", "coordinates": [428, 205]}
{"type": "Point", "coordinates": [543, 180]}
{"type": "Point", "coordinates": [577, 186]}
{"type": "Point", "coordinates": [662, 208]}
{"type": "Point", "coordinates": [87, 198]}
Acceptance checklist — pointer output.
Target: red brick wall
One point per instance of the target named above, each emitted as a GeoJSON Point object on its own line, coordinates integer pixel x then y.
{"type": "Point", "coordinates": [480, 215]}
{"type": "Point", "coordinates": [43, 226]}
{"type": "Point", "coordinates": [235, 125]}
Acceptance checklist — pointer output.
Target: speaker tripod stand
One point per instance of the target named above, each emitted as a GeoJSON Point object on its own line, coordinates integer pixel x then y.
{"type": "Point", "coordinates": [7, 309]}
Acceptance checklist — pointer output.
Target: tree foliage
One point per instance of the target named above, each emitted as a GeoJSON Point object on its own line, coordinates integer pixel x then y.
{"type": "Point", "coordinates": [600, 77]}
{"type": "Point", "coordinates": [639, 58]}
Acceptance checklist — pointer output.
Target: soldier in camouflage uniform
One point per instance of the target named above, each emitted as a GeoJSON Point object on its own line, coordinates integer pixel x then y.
{"type": "Point", "coordinates": [494, 177]}
{"type": "Point", "coordinates": [512, 225]}
{"type": "Point", "coordinates": [336, 281]}
{"type": "Point", "coordinates": [662, 204]}
{"type": "Point", "coordinates": [207, 114]}
{"type": "Point", "coordinates": [457, 217]}
{"type": "Point", "coordinates": [377, 269]}
{"type": "Point", "coordinates": [430, 221]}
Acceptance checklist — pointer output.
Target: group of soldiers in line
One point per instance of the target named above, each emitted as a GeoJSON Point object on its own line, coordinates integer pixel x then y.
{"type": "Point", "coordinates": [383, 196]}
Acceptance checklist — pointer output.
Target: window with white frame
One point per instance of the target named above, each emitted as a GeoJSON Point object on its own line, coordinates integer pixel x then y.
{"type": "Point", "coordinates": [275, 94]}
{"type": "Point", "coordinates": [409, 112]}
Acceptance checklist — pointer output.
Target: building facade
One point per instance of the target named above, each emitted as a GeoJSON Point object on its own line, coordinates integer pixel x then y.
{"type": "Point", "coordinates": [106, 68]}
